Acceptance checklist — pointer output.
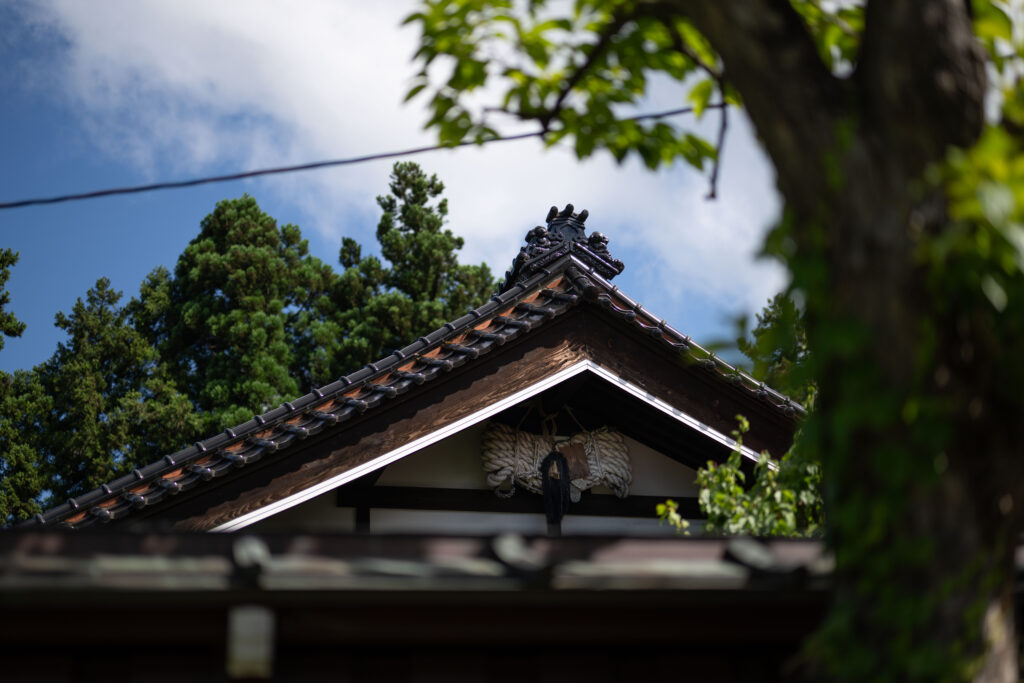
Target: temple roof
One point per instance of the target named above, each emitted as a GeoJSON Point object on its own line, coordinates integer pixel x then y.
{"type": "Point", "coordinates": [559, 269]}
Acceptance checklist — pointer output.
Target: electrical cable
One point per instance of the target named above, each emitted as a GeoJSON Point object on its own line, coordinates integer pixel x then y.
{"type": "Point", "coordinates": [205, 180]}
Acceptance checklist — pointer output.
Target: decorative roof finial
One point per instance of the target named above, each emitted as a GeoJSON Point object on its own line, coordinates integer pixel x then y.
{"type": "Point", "coordinates": [563, 235]}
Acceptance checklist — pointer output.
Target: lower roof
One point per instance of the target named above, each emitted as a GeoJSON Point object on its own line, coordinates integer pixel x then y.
{"type": "Point", "coordinates": [47, 566]}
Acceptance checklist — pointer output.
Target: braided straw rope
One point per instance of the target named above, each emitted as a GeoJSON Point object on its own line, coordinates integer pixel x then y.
{"type": "Point", "coordinates": [511, 456]}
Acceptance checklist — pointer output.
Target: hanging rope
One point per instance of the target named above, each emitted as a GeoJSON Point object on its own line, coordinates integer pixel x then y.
{"type": "Point", "coordinates": [511, 456]}
{"type": "Point", "coordinates": [510, 474]}
{"type": "Point", "coordinates": [608, 461]}
{"type": "Point", "coordinates": [554, 473]}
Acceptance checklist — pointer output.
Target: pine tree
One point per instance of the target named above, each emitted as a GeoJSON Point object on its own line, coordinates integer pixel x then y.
{"type": "Point", "coordinates": [22, 404]}
{"type": "Point", "coordinates": [10, 326]}
{"type": "Point", "coordinates": [424, 264]}
{"type": "Point", "coordinates": [225, 323]}
{"type": "Point", "coordinates": [21, 401]}
{"type": "Point", "coordinates": [111, 408]}
{"type": "Point", "coordinates": [777, 348]}
{"type": "Point", "coordinates": [375, 308]}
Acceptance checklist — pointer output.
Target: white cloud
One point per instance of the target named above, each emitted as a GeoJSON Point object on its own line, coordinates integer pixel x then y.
{"type": "Point", "coordinates": [181, 86]}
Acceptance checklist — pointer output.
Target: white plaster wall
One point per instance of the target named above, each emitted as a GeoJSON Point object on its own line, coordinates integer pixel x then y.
{"type": "Point", "coordinates": [317, 515]}
{"type": "Point", "coordinates": [434, 521]}
{"type": "Point", "coordinates": [657, 475]}
{"type": "Point", "coordinates": [455, 463]}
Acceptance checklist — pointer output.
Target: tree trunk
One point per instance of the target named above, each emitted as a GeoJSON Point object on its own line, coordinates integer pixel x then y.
{"type": "Point", "coordinates": [923, 477]}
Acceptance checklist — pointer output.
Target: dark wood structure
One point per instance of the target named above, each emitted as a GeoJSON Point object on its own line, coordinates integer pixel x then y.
{"type": "Point", "coordinates": [138, 607]}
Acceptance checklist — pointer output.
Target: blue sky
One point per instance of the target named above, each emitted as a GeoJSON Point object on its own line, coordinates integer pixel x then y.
{"type": "Point", "coordinates": [126, 92]}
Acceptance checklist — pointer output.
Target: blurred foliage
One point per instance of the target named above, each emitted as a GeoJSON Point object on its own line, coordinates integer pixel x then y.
{"type": "Point", "coordinates": [572, 72]}
{"type": "Point", "coordinates": [669, 512]}
{"type": "Point", "coordinates": [777, 349]}
{"type": "Point", "coordinates": [784, 497]}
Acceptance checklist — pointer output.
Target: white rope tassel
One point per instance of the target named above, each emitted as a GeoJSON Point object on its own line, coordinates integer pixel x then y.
{"type": "Point", "coordinates": [608, 460]}
{"type": "Point", "coordinates": [511, 457]}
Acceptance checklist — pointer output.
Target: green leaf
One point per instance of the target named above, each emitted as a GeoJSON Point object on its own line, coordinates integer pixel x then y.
{"type": "Point", "coordinates": [699, 95]}
{"type": "Point", "coordinates": [414, 91]}
{"type": "Point", "coordinates": [994, 292]}
{"type": "Point", "coordinates": [996, 200]}
{"type": "Point", "coordinates": [991, 21]}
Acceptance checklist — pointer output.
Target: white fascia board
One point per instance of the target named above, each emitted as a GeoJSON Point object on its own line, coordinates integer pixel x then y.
{"type": "Point", "coordinates": [557, 378]}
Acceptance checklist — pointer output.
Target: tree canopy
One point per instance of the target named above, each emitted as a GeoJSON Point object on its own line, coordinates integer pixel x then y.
{"type": "Point", "coordinates": [246, 320]}
{"type": "Point", "coordinates": [10, 326]}
{"type": "Point", "coordinates": [777, 349]}
{"type": "Point", "coordinates": [373, 308]}
{"type": "Point", "coordinates": [223, 322]}
{"type": "Point", "coordinates": [895, 130]}
{"type": "Point", "coordinates": [20, 397]}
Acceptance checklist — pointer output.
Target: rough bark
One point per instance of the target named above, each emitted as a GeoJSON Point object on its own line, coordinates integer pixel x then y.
{"type": "Point", "coordinates": [850, 154]}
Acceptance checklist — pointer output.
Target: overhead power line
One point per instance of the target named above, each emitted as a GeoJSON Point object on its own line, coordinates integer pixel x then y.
{"type": "Point", "coordinates": [206, 180]}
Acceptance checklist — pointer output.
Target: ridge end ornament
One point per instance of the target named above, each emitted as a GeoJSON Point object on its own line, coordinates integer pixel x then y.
{"type": "Point", "coordinates": [564, 234]}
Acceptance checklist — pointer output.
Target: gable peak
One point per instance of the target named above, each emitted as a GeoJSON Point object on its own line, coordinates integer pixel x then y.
{"type": "Point", "coordinates": [565, 234]}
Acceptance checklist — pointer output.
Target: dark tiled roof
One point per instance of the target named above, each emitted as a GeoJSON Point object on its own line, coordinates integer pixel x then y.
{"type": "Point", "coordinates": [537, 289]}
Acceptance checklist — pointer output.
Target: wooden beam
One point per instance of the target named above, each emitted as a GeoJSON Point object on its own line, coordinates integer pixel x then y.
{"type": "Point", "coordinates": [363, 519]}
{"type": "Point", "coordinates": [483, 500]}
